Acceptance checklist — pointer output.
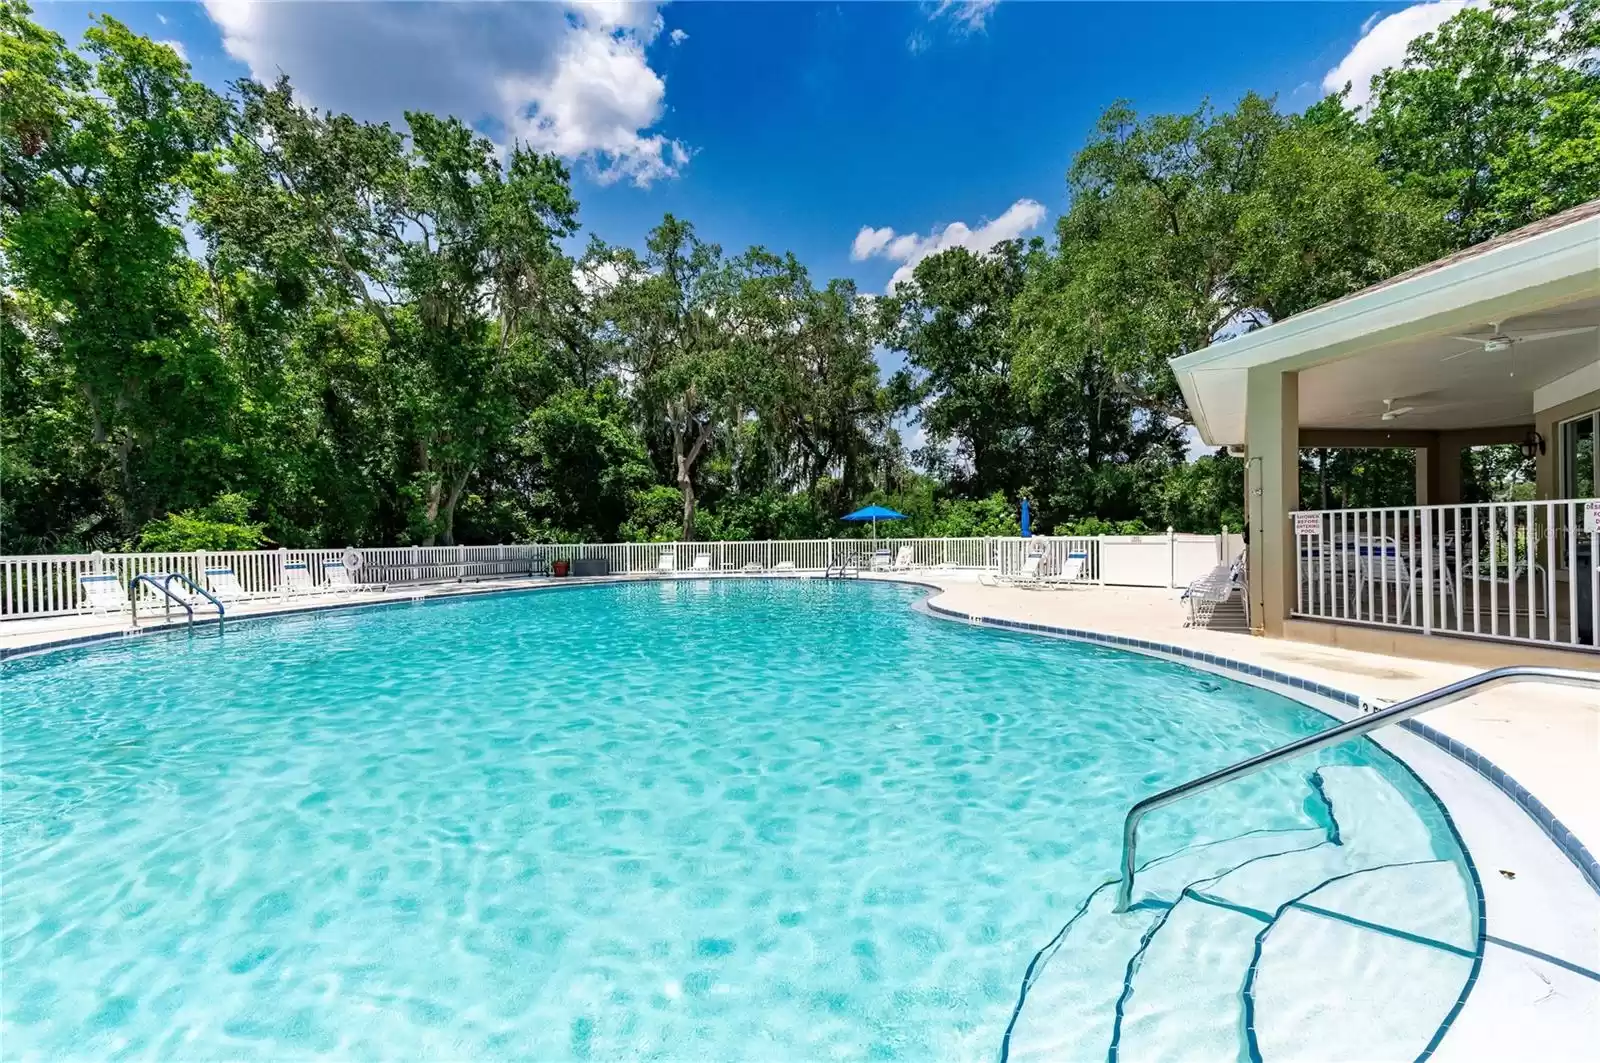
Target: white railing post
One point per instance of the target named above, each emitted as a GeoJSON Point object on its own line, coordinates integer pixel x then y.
{"type": "Point", "coordinates": [1172, 560]}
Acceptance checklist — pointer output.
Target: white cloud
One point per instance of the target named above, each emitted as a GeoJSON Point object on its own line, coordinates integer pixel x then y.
{"type": "Point", "coordinates": [970, 15]}
{"type": "Point", "coordinates": [570, 78]}
{"type": "Point", "coordinates": [870, 241]}
{"type": "Point", "coordinates": [161, 18]}
{"type": "Point", "coordinates": [176, 46]}
{"type": "Point", "coordinates": [909, 248]}
{"type": "Point", "coordinates": [1383, 44]}
{"type": "Point", "coordinates": [677, 36]}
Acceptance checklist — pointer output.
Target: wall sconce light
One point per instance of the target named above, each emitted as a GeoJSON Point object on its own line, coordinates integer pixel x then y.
{"type": "Point", "coordinates": [1533, 446]}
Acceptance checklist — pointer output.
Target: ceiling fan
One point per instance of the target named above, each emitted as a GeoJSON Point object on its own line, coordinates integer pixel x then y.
{"type": "Point", "coordinates": [1392, 412]}
{"type": "Point", "coordinates": [1497, 340]}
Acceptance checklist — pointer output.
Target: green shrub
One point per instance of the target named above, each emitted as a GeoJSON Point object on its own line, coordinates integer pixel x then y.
{"type": "Point", "coordinates": [223, 525]}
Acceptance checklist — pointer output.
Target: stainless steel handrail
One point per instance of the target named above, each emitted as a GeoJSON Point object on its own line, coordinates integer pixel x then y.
{"type": "Point", "coordinates": [162, 581]}
{"type": "Point", "coordinates": [1433, 699]}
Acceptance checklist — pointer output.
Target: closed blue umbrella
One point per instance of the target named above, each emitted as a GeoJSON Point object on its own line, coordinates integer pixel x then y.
{"type": "Point", "coordinates": [874, 514]}
{"type": "Point", "coordinates": [1026, 534]}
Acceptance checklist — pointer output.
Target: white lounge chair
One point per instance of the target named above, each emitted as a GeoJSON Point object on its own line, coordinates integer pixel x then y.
{"type": "Point", "coordinates": [297, 579]}
{"type": "Point", "coordinates": [224, 583]}
{"type": "Point", "coordinates": [1076, 570]}
{"type": "Point", "coordinates": [1210, 591]}
{"type": "Point", "coordinates": [783, 566]}
{"type": "Point", "coordinates": [668, 563]}
{"type": "Point", "coordinates": [1030, 573]}
{"type": "Point", "coordinates": [336, 578]}
{"type": "Point", "coordinates": [702, 562]}
{"type": "Point", "coordinates": [903, 559]}
{"type": "Point", "coordinates": [103, 594]}
{"type": "Point", "coordinates": [881, 559]}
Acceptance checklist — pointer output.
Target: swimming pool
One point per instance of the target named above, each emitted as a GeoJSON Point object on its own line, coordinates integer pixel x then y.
{"type": "Point", "coordinates": [679, 819]}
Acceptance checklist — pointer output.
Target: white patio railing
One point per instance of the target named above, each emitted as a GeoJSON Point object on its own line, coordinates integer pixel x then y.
{"type": "Point", "coordinates": [1522, 571]}
{"type": "Point", "coordinates": [47, 584]}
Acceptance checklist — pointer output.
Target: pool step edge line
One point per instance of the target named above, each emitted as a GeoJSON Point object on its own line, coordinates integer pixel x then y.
{"type": "Point", "coordinates": [1558, 833]}
{"type": "Point", "coordinates": [1371, 847]}
{"type": "Point", "coordinates": [1202, 862]}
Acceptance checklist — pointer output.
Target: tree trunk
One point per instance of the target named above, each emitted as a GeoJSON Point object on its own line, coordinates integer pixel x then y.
{"type": "Point", "coordinates": [686, 485]}
{"type": "Point", "coordinates": [1322, 475]}
{"type": "Point", "coordinates": [447, 514]}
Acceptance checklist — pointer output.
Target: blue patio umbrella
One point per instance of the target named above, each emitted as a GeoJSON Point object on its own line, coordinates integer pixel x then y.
{"type": "Point", "coordinates": [874, 514]}
{"type": "Point", "coordinates": [1026, 533]}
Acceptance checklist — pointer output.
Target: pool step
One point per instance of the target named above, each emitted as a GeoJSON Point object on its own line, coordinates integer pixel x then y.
{"type": "Point", "coordinates": [1068, 1008]}
{"type": "Point", "coordinates": [1169, 978]}
{"type": "Point", "coordinates": [1397, 941]}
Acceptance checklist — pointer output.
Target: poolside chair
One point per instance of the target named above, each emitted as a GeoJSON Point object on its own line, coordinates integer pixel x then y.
{"type": "Point", "coordinates": [1206, 593]}
{"type": "Point", "coordinates": [903, 559]}
{"type": "Point", "coordinates": [881, 560]}
{"type": "Point", "coordinates": [1075, 570]}
{"type": "Point", "coordinates": [297, 579]}
{"type": "Point", "coordinates": [336, 578]}
{"type": "Point", "coordinates": [223, 582]}
{"type": "Point", "coordinates": [783, 566]}
{"type": "Point", "coordinates": [702, 562]}
{"type": "Point", "coordinates": [1031, 573]}
{"type": "Point", "coordinates": [668, 563]}
{"type": "Point", "coordinates": [103, 594]}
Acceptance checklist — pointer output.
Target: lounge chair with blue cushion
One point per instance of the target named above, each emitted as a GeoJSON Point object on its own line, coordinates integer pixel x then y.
{"type": "Point", "coordinates": [103, 594]}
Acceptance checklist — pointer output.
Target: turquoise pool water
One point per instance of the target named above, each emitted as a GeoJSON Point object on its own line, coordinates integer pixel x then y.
{"type": "Point", "coordinates": [680, 820]}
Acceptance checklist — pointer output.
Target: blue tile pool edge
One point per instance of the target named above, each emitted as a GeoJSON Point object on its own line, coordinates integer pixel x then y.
{"type": "Point", "coordinates": [1563, 838]}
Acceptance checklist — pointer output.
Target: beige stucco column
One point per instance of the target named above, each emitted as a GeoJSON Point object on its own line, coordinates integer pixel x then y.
{"type": "Point", "coordinates": [1272, 482]}
{"type": "Point", "coordinates": [1428, 475]}
{"type": "Point", "coordinates": [1449, 475]}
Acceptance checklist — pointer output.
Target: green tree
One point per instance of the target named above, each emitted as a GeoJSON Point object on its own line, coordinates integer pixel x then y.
{"type": "Point", "coordinates": [93, 158]}
{"type": "Point", "coordinates": [665, 317]}
{"type": "Point", "coordinates": [1494, 116]}
{"type": "Point", "coordinates": [953, 320]}
{"type": "Point", "coordinates": [589, 460]}
{"type": "Point", "coordinates": [453, 253]}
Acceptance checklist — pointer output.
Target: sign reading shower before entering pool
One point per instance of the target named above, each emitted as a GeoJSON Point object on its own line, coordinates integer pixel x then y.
{"type": "Point", "coordinates": [1308, 524]}
{"type": "Point", "coordinates": [1591, 517]}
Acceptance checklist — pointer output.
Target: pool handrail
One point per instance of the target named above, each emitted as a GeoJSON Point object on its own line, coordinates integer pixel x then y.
{"type": "Point", "coordinates": [1432, 699]}
{"type": "Point", "coordinates": [162, 581]}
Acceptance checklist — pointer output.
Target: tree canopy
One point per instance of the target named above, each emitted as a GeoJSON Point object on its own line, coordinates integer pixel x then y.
{"type": "Point", "coordinates": [230, 318]}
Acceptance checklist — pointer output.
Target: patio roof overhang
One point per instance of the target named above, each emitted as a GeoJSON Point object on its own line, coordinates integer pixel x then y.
{"type": "Point", "coordinates": [1394, 341]}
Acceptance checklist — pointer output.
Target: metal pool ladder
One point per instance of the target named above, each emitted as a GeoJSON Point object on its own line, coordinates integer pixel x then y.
{"type": "Point", "coordinates": [1404, 710]}
{"type": "Point", "coordinates": [162, 581]}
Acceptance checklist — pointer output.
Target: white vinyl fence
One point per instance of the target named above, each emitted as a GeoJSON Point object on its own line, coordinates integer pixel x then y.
{"type": "Point", "coordinates": [47, 584]}
{"type": "Point", "coordinates": [1522, 571]}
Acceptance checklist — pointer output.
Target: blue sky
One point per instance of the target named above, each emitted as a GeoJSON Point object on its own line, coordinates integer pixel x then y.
{"type": "Point", "coordinates": [792, 125]}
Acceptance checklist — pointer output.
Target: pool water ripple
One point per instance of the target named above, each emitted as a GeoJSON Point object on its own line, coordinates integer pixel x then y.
{"type": "Point", "coordinates": [676, 820]}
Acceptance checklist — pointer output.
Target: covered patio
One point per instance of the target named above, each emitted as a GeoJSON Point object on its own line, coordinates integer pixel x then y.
{"type": "Point", "coordinates": [1498, 344]}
